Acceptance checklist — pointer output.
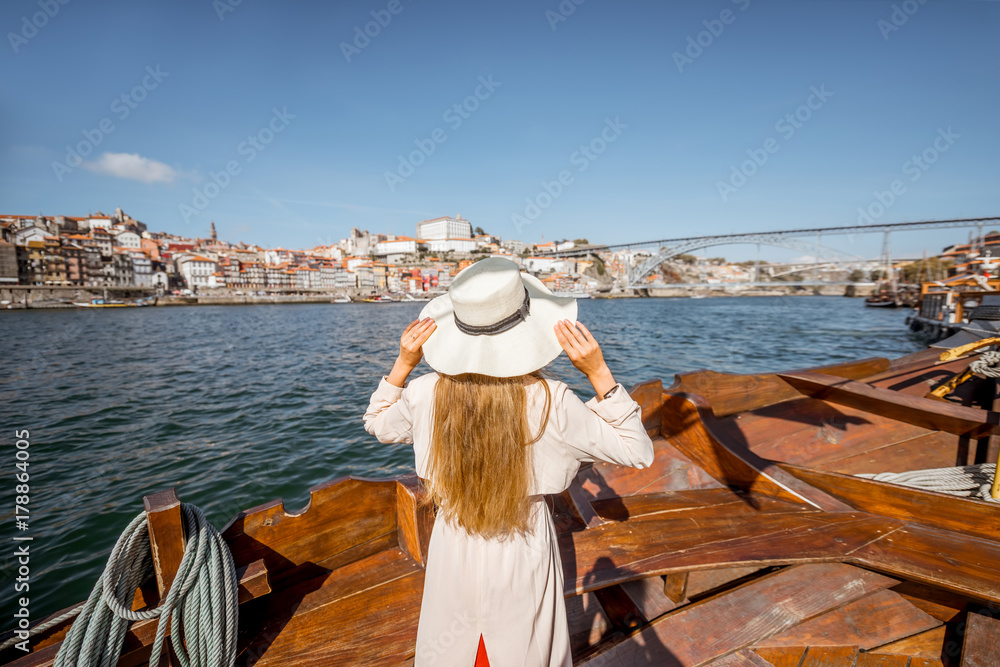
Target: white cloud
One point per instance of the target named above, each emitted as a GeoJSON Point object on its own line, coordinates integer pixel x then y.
{"type": "Point", "coordinates": [133, 167]}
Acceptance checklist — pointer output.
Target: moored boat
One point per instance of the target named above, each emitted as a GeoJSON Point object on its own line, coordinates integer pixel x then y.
{"type": "Point", "coordinates": [749, 541]}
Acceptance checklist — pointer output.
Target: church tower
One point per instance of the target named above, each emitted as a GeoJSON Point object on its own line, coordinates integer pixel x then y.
{"type": "Point", "coordinates": [214, 237]}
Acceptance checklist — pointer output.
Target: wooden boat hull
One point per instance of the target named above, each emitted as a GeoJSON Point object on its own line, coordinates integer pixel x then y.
{"type": "Point", "coordinates": [747, 542]}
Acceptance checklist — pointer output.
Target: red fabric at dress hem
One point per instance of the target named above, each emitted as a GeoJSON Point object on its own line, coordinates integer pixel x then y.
{"type": "Point", "coordinates": [481, 659]}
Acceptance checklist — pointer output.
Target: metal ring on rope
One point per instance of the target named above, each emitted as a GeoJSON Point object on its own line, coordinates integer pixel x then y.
{"type": "Point", "coordinates": [202, 604]}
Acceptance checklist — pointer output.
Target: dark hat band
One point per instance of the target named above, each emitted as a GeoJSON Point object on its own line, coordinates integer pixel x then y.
{"type": "Point", "coordinates": [512, 320]}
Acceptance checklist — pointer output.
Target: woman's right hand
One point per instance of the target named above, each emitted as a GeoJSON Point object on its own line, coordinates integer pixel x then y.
{"type": "Point", "coordinates": [583, 350]}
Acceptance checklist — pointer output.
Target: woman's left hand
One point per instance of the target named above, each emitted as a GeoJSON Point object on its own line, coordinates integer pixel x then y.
{"type": "Point", "coordinates": [410, 350]}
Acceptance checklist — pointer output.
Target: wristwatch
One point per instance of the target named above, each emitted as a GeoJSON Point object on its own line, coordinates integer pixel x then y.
{"type": "Point", "coordinates": [611, 391]}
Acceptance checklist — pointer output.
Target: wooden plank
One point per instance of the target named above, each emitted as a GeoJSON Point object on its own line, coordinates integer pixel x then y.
{"type": "Point", "coordinates": [866, 623]}
{"type": "Point", "coordinates": [716, 627]}
{"type": "Point", "coordinates": [830, 656]}
{"type": "Point", "coordinates": [916, 410]}
{"type": "Point", "coordinates": [927, 644]}
{"type": "Point", "coordinates": [670, 470]}
{"type": "Point", "coordinates": [729, 393]}
{"type": "Point", "coordinates": [626, 550]}
{"type": "Point", "coordinates": [649, 598]}
{"type": "Point", "coordinates": [675, 586]}
{"type": "Point", "coordinates": [808, 431]}
{"type": "Point", "coordinates": [166, 536]}
{"type": "Point", "coordinates": [341, 514]}
{"type": "Point", "coordinates": [942, 605]}
{"type": "Point", "coordinates": [782, 656]}
{"type": "Point", "coordinates": [414, 517]}
{"type": "Point", "coordinates": [364, 613]}
{"type": "Point", "coordinates": [879, 660]}
{"type": "Point", "coordinates": [962, 515]}
{"type": "Point", "coordinates": [649, 396]}
{"type": "Point", "coordinates": [981, 644]}
{"type": "Point", "coordinates": [167, 543]}
{"type": "Point", "coordinates": [745, 658]}
{"type": "Point", "coordinates": [708, 582]}
{"type": "Point", "coordinates": [958, 563]}
{"type": "Point", "coordinates": [710, 501]}
{"type": "Point", "coordinates": [934, 450]}
{"type": "Point", "coordinates": [689, 423]}
{"type": "Point", "coordinates": [575, 499]}
{"type": "Point", "coordinates": [588, 623]}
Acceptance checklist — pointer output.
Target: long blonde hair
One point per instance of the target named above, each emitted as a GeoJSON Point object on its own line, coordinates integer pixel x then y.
{"type": "Point", "coordinates": [479, 466]}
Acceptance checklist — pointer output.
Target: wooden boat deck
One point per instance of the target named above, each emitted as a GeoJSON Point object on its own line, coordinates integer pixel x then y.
{"type": "Point", "coordinates": [747, 542]}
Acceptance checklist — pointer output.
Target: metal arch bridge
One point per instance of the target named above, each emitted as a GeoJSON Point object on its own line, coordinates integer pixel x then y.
{"type": "Point", "coordinates": [785, 238]}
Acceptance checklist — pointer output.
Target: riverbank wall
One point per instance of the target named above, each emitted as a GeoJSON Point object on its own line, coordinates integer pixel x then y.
{"type": "Point", "coordinates": [21, 297]}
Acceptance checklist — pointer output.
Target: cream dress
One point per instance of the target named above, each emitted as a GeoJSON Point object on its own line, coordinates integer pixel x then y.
{"type": "Point", "coordinates": [510, 592]}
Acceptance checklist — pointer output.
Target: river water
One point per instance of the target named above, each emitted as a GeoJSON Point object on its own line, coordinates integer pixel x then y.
{"type": "Point", "coordinates": [239, 405]}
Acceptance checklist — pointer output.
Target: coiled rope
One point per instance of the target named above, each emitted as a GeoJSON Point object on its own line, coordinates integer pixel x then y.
{"type": "Point", "coordinates": [202, 603]}
{"type": "Point", "coordinates": [969, 481]}
{"type": "Point", "coordinates": [987, 365]}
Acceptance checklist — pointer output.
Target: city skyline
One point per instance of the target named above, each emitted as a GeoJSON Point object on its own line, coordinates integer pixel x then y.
{"type": "Point", "coordinates": [613, 123]}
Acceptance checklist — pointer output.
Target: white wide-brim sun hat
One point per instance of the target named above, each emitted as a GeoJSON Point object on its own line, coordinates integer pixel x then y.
{"type": "Point", "coordinates": [495, 321]}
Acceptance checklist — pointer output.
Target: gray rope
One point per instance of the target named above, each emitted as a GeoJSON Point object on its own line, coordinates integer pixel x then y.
{"type": "Point", "coordinates": [969, 481]}
{"type": "Point", "coordinates": [987, 365]}
{"type": "Point", "coordinates": [202, 604]}
{"type": "Point", "coordinates": [42, 627]}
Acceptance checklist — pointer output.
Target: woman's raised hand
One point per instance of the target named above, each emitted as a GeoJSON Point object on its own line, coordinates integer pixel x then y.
{"type": "Point", "coordinates": [583, 350]}
{"type": "Point", "coordinates": [410, 349]}
{"type": "Point", "coordinates": [411, 342]}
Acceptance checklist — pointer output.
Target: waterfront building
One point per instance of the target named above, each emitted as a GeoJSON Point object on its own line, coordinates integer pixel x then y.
{"type": "Point", "coordinates": [30, 263]}
{"type": "Point", "coordinates": [398, 245]}
{"type": "Point", "coordinates": [31, 232]}
{"type": "Point", "coordinates": [514, 246]}
{"type": "Point", "coordinates": [540, 264]}
{"type": "Point", "coordinates": [8, 263]}
{"type": "Point", "coordinates": [104, 241]}
{"type": "Point", "coordinates": [53, 262]}
{"type": "Point", "coordinates": [328, 275]}
{"type": "Point", "coordinates": [99, 220]}
{"type": "Point", "coordinates": [276, 276]}
{"type": "Point", "coordinates": [195, 270]}
{"type": "Point", "coordinates": [344, 279]}
{"type": "Point", "coordinates": [451, 244]}
{"type": "Point", "coordinates": [93, 268]}
{"type": "Point", "coordinates": [444, 228]}
{"type": "Point", "coordinates": [128, 239]}
{"type": "Point", "coordinates": [352, 263]}
{"type": "Point", "coordinates": [365, 276]}
{"type": "Point", "coordinates": [142, 268]}
{"type": "Point", "coordinates": [255, 275]}
{"type": "Point", "coordinates": [379, 272]}
{"type": "Point", "coordinates": [121, 268]}
{"type": "Point", "coordinates": [75, 263]}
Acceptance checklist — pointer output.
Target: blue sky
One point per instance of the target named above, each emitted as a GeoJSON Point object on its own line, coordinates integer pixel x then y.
{"type": "Point", "coordinates": [870, 89]}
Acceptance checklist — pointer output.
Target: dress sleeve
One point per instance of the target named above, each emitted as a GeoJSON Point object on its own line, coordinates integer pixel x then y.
{"type": "Point", "coordinates": [388, 416]}
{"type": "Point", "coordinates": [610, 430]}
